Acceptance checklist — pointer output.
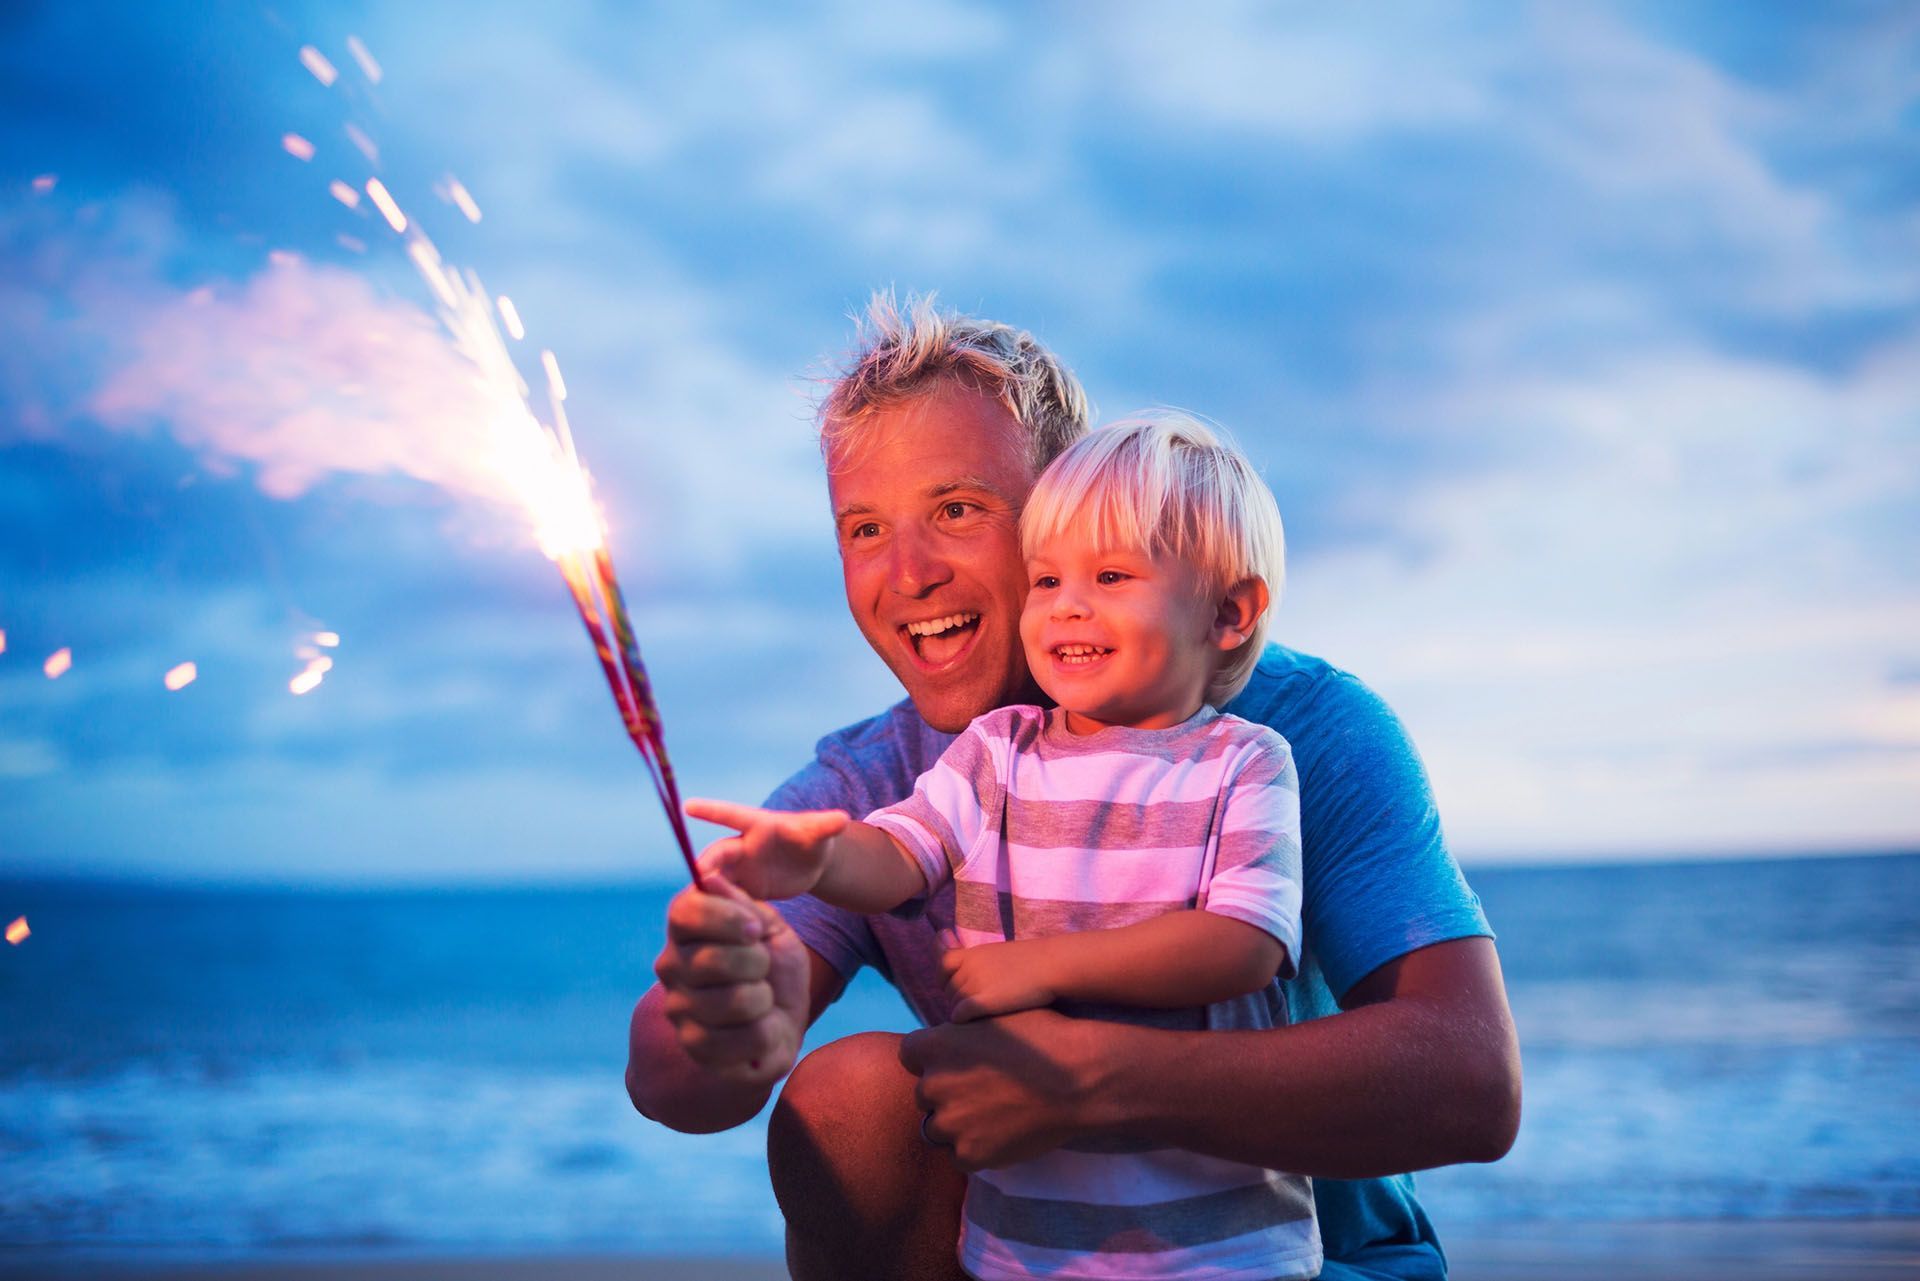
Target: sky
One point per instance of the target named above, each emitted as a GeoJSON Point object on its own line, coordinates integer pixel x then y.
{"type": "Point", "coordinates": [1579, 343]}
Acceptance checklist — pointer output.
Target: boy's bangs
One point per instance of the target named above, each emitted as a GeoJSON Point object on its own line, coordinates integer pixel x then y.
{"type": "Point", "coordinates": [1101, 492]}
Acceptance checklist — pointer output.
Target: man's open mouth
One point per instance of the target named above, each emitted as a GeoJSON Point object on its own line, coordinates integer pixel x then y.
{"type": "Point", "coordinates": [1079, 655]}
{"type": "Point", "coordinates": [940, 640]}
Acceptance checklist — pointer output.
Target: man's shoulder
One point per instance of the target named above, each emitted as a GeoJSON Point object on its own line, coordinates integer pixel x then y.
{"type": "Point", "coordinates": [1305, 697]}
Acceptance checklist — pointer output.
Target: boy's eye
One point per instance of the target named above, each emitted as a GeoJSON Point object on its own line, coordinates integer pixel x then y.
{"type": "Point", "coordinates": [1046, 582]}
{"type": "Point", "coordinates": [1108, 577]}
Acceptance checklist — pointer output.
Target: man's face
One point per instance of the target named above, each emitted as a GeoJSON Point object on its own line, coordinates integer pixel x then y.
{"type": "Point", "coordinates": [927, 508]}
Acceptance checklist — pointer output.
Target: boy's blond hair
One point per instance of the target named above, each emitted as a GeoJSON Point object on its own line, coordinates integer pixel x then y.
{"type": "Point", "coordinates": [1165, 483]}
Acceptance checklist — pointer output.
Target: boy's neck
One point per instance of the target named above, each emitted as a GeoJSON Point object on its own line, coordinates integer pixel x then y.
{"type": "Point", "coordinates": [1079, 723]}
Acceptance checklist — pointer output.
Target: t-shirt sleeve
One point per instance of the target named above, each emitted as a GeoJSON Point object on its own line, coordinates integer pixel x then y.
{"type": "Point", "coordinates": [841, 938]}
{"type": "Point", "coordinates": [1256, 876]}
{"type": "Point", "coordinates": [1379, 879]}
{"type": "Point", "coordinates": [951, 806]}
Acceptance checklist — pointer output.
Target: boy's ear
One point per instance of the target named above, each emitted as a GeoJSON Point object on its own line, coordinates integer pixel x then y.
{"type": "Point", "coordinates": [1237, 612]}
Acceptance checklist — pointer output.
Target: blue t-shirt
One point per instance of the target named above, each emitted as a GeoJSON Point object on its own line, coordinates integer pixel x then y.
{"type": "Point", "coordinates": [1377, 878]}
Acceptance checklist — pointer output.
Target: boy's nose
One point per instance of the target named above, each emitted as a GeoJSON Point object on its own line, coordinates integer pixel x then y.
{"type": "Point", "coordinates": [1068, 603]}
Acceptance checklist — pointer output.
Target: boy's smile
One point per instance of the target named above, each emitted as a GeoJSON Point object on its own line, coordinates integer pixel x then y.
{"type": "Point", "coordinates": [1118, 637]}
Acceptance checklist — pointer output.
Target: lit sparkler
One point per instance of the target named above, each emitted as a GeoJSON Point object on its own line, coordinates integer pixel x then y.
{"type": "Point", "coordinates": [18, 931]}
{"type": "Point", "coordinates": [538, 465]}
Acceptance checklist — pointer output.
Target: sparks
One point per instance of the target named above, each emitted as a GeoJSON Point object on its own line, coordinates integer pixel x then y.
{"type": "Point", "coordinates": [316, 62]}
{"type": "Point", "coordinates": [384, 202]}
{"type": "Point", "coordinates": [180, 676]}
{"type": "Point", "coordinates": [348, 196]}
{"type": "Point", "coordinates": [363, 144]}
{"type": "Point", "coordinates": [296, 146]}
{"type": "Point", "coordinates": [511, 315]}
{"type": "Point", "coordinates": [368, 67]}
{"type": "Point", "coordinates": [57, 663]}
{"type": "Point", "coordinates": [44, 183]}
{"type": "Point", "coordinates": [327, 640]}
{"type": "Point", "coordinates": [18, 931]}
{"type": "Point", "coordinates": [353, 244]}
{"type": "Point", "coordinates": [283, 258]}
{"type": "Point", "coordinates": [555, 382]}
{"type": "Point", "coordinates": [3, 640]}
{"type": "Point", "coordinates": [457, 192]}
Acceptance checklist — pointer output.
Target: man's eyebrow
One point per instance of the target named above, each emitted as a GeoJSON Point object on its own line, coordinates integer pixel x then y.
{"type": "Point", "coordinates": [853, 509]}
{"type": "Point", "coordinates": [977, 483]}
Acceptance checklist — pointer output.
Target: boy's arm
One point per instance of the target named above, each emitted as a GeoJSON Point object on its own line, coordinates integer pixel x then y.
{"type": "Point", "coordinates": [1179, 959]}
{"type": "Point", "coordinates": [781, 855]}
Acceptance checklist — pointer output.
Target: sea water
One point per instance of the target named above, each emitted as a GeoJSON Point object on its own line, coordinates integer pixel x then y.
{"type": "Point", "coordinates": [204, 1073]}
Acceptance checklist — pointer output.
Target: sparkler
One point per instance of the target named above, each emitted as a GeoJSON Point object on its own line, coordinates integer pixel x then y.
{"type": "Point", "coordinates": [536, 462]}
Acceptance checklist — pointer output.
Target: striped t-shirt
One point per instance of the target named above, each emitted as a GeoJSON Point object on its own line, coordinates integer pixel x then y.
{"type": "Point", "coordinates": [1045, 832]}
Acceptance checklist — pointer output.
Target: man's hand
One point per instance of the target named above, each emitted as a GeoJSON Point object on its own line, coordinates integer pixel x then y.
{"type": "Point", "coordinates": [1006, 1089]}
{"type": "Point", "coordinates": [997, 978]}
{"type": "Point", "coordinates": [776, 855]}
{"type": "Point", "coordinates": [735, 980]}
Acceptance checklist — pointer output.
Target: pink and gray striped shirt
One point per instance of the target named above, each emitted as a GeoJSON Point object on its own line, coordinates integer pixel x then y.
{"type": "Point", "coordinates": [1044, 832]}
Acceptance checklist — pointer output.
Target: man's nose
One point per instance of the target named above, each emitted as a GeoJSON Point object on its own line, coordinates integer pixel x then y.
{"type": "Point", "coordinates": [917, 567]}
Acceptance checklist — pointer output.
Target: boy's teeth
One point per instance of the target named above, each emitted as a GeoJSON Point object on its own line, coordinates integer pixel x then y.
{"type": "Point", "coordinates": [1080, 653]}
{"type": "Point", "coordinates": [933, 627]}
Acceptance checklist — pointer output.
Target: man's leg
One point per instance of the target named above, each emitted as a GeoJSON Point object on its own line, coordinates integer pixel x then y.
{"type": "Point", "coordinates": [864, 1195]}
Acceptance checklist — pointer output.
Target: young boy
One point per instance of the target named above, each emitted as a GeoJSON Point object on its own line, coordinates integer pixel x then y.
{"type": "Point", "coordinates": [1130, 853]}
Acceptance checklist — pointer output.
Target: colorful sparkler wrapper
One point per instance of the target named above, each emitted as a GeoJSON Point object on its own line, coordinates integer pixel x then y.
{"type": "Point", "coordinates": [603, 610]}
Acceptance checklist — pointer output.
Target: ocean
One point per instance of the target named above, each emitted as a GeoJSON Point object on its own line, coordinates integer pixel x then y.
{"type": "Point", "coordinates": [214, 1073]}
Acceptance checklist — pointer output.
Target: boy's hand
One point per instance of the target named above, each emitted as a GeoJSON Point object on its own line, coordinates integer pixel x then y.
{"type": "Point", "coordinates": [996, 978]}
{"type": "Point", "coordinates": [776, 855]}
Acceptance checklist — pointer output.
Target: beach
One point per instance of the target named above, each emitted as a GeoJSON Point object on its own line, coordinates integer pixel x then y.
{"type": "Point", "coordinates": [1775, 1250]}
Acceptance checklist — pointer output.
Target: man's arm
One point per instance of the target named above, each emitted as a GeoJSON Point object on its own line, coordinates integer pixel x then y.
{"type": "Point", "coordinates": [737, 992]}
{"type": "Point", "coordinates": [1422, 1069]}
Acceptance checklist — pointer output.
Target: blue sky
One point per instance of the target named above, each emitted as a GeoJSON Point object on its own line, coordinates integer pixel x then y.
{"type": "Point", "coordinates": [1581, 345]}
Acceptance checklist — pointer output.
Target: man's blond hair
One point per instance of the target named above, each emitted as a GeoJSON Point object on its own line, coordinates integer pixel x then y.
{"type": "Point", "coordinates": [904, 348]}
{"type": "Point", "coordinates": [1165, 483]}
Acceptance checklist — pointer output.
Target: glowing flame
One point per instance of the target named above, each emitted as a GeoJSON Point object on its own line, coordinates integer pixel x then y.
{"type": "Point", "coordinates": [180, 676]}
{"type": "Point", "coordinates": [44, 183]}
{"type": "Point", "coordinates": [352, 243]}
{"type": "Point", "coordinates": [316, 62]}
{"type": "Point", "coordinates": [384, 202]}
{"type": "Point", "coordinates": [297, 147]}
{"type": "Point", "coordinates": [327, 640]}
{"type": "Point", "coordinates": [18, 931]}
{"type": "Point", "coordinates": [57, 663]}
{"type": "Point", "coordinates": [460, 196]}
{"type": "Point", "coordinates": [363, 144]}
{"type": "Point", "coordinates": [368, 66]}
{"type": "Point", "coordinates": [346, 195]}
{"type": "Point", "coordinates": [511, 315]}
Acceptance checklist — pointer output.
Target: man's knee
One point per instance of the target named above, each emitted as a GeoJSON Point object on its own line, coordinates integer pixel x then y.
{"type": "Point", "coordinates": [862, 1193]}
{"type": "Point", "coordinates": [840, 1111]}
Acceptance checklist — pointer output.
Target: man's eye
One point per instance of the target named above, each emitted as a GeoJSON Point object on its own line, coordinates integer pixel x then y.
{"type": "Point", "coordinates": [866, 529]}
{"type": "Point", "coordinates": [956, 511]}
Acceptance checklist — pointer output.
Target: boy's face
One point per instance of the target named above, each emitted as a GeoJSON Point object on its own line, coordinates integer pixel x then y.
{"type": "Point", "coordinates": [1119, 637]}
{"type": "Point", "coordinates": [927, 511]}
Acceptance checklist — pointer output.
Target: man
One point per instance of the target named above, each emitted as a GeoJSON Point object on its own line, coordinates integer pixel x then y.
{"type": "Point", "coordinates": [1401, 1055]}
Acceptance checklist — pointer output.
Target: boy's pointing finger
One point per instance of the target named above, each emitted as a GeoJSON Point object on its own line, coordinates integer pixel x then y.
{"type": "Point", "coordinates": [725, 813]}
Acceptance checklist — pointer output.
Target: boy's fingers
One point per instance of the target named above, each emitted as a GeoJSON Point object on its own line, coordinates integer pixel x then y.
{"type": "Point", "coordinates": [725, 813]}
{"type": "Point", "coordinates": [815, 825]}
{"type": "Point", "coordinates": [967, 1010]}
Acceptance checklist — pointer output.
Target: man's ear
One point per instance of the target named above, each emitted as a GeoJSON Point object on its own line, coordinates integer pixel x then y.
{"type": "Point", "coordinates": [1237, 613]}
